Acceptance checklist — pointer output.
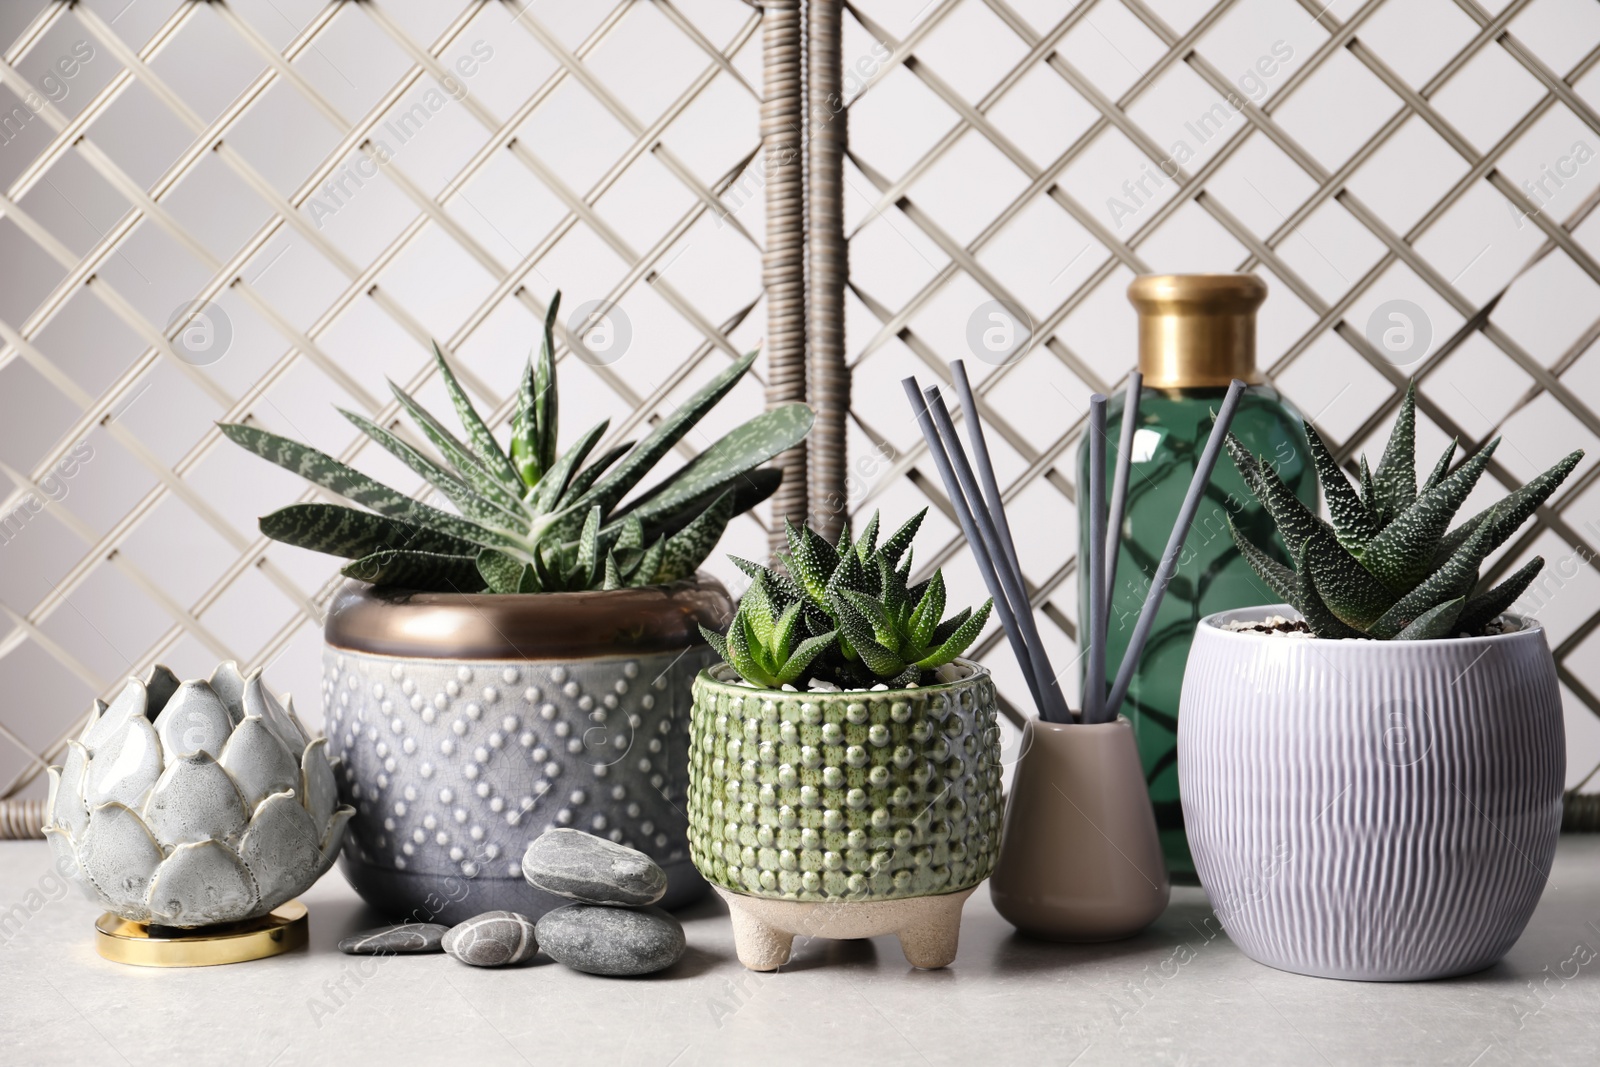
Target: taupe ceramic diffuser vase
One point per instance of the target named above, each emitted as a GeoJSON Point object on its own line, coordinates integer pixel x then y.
{"type": "Point", "coordinates": [1079, 856]}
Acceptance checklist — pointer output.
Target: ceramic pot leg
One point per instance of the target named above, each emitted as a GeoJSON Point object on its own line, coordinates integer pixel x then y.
{"type": "Point", "coordinates": [761, 946]}
{"type": "Point", "coordinates": [931, 941]}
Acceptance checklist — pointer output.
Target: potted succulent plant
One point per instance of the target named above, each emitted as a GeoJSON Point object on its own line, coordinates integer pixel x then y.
{"type": "Point", "coordinates": [844, 772]}
{"type": "Point", "coordinates": [524, 662]}
{"type": "Point", "coordinates": [1372, 771]}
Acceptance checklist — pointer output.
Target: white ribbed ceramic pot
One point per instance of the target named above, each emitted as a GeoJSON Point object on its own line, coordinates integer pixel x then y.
{"type": "Point", "coordinates": [1375, 810]}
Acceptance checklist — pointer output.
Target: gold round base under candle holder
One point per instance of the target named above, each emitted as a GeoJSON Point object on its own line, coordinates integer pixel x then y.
{"type": "Point", "coordinates": [133, 943]}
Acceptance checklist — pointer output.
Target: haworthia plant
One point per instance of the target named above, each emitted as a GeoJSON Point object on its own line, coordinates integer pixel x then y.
{"type": "Point", "coordinates": [844, 614]}
{"type": "Point", "coordinates": [1388, 566]}
{"type": "Point", "coordinates": [531, 518]}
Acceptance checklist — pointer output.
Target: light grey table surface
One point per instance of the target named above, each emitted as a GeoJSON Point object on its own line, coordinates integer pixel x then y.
{"type": "Point", "coordinates": [1178, 994]}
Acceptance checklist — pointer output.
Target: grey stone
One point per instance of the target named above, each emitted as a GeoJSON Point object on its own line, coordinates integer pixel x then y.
{"type": "Point", "coordinates": [582, 867]}
{"type": "Point", "coordinates": [613, 941]}
{"type": "Point", "coordinates": [406, 939]}
{"type": "Point", "coordinates": [493, 939]}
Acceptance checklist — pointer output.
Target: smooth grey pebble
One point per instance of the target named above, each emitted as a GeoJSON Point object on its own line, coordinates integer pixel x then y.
{"type": "Point", "coordinates": [582, 867]}
{"type": "Point", "coordinates": [493, 939]}
{"type": "Point", "coordinates": [612, 941]}
{"type": "Point", "coordinates": [405, 939]}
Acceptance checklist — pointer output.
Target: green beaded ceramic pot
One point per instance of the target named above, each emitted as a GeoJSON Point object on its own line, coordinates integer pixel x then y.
{"type": "Point", "coordinates": [821, 797]}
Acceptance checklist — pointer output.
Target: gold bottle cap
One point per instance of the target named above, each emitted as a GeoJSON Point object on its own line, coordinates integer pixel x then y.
{"type": "Point", "coordinates": [1197, 330]}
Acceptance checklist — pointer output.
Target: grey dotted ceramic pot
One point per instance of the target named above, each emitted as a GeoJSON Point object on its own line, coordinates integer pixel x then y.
{"type": "Point", "coordinates": [468, 724]}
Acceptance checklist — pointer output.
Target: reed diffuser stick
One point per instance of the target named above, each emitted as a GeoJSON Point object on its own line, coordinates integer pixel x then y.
{"type": "Point", "coordinates": [969, 529]}
{"type": "Point", "coordinates": [1119, 485]}
{"type": "Point", "coordinates": [1169, 558]}
{"type": "Point", "coordinates": [1053, 705]}
{"type": "Point", "coordinates": [980, 458]}
{"type": "Point", "coordinates": [1093, 699]}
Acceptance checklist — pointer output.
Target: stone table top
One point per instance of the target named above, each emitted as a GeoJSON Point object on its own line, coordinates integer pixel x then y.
{"type": "Point", "coordinates": [1180, 993]}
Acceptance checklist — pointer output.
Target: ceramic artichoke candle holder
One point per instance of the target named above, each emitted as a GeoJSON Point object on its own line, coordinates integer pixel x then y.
{"type": "Point", "coordinates": [845, 814]}
{"type": "Point", "coordinates": [195, 803]}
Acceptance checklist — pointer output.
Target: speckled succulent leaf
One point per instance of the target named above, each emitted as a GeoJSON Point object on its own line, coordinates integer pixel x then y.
{"type": "Point", "coordinates": [718, 643]}
{"type": "Point", "coordinates": [609, 490]}
{"type": "Point", "coordinates": [1318, 616]}
{"type": "Point", "coordinates": [881, 623]}
{"type": "Point", "coordinates": [500, 572]}
{"type": "Point", "coordinates": [749, 489]}
{"type": "Point", "coordinates": [343, 531]}
{"type": "Point", "coordinates": [1279, 579]}
{"type": "Point", "coordinates": [473, 507]}
{"type": "Point", "coordinates": [1353, 524]}
{"type": "Point", "coordinates": [786, 626]}
{"type": "Point", "coordinates": [483, 443]}
{"type": "Point", "coordinates": [589, 545]}
{"type": "Point", "coordinates": [545, 397]}
{"type": "Point", "coordinates": [1456, 578]}
{"type": "Point", "coordinates": [1369, 495]}
{"type": "Point", "coordinates": [925, 617]}
{"type": "Point", "coordinates": [725, 460]}
{"type": "Point", "coordinates": [465, 464]}
{"type": "Point", "coordinates": [895, 545]}
{"type": "Point", "coordinates": [1294, 520]}
{"type": "Point", "coordinates": [547, 496]}
{"type": "Point", "coordinates": [896, 600]}
{"type": "Point", "coordinates": [611, 574]}
{"type": "Point", "coordinates": [319, 468]}
{"type": "Point", "coordinates": [1395, 480]}
{"type": "Point", "coordinates": [687, 549]}
{"type": "Point", "coordinates": [867, 543]}
{"type": "Point", "coordinates": [945, 630]}
{"type": "Point", "coordinates": [759, 612]}
{"type": "Point", "coordinates": [417, 570]}
{"type": "Point", "coordinates": [881, 661]}
{"type": "Point", "coordinates": [811, 560]}
{"type": "Point", "coordinates": [631, 534]}
{"type": "Point", "coordinates": [805, 654]}
{"type": "Point", "coordinates": [1402, 554]}
{"type": "Point", "coordinates": [650, 562]}
{"type": "Point", "coordinates": [1482, 609]}
{"type": "Point", "coordinates": [959, 641]}
{"type": "Point", "coordinates": [848, 574]}
{"type": "Point", "coordinates": [1515, 509]}
{"type": "Point", "coordinates": [1441, 468]}
{"type": "Point", "coordinates": [591, 472]}
{"type": "Point", "coordinates": [1438, 621]}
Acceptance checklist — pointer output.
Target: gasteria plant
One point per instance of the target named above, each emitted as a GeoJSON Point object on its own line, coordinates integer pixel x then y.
{"type": "Point", "coordinates": [532, 520]}
{"type": "Point", "coordinates": [1388, 567]}
{"type": "Point", "coordinates": [844, 614]}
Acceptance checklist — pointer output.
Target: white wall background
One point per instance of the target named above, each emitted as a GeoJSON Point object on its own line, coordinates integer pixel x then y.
{"type": "Point", "coordinates": [157, 152]}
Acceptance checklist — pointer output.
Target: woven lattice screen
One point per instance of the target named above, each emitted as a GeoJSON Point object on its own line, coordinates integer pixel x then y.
{"type": "Point", "coordinates": [256, 208]}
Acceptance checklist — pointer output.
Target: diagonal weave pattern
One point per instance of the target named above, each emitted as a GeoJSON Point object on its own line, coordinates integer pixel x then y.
{"type": "Point", "coordinates": [320, 189]}
{"type": "Point", "coordinates": [1358, 153]}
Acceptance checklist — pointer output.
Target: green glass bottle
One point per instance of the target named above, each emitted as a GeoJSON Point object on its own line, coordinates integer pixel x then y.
{"type": "Point", "coordinates": [1196, 333]}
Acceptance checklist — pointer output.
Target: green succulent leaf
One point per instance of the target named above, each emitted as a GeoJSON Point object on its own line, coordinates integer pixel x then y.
{"type": "Point", "coordinates": [1353, 524]}
{"type": "Point", "coordinates": [1438, 621]}
{"type": "Point", "coordinates": [416, 570]}
{"type": "Point", "coordinates": [1369, 492]}
{"type": "Point", "coordinates": [805, 654]}
{"type": "Point", "coordinates": [467, 465]}
{"type": "Point", "coordinates": [958, 642]}
{"type": "Point", "coordinates": [1395, 480]}
{"type": "Point", "coordinates": [609, 490]}
{"type": "Point", "coordinates": [589, 546]}
{"type": "Point", "coordinates": [1482, 609]}
{"type": "Point", "coordinates": [341, 531]}
{"type": "Point", "coordinates": [718, 643]}
{"type": "Point", "coordinates": [472, 506]}
{"type": "Point", "coordinates": [1280, 579]}
{"type": "Point", "coordinates": [1441, 468]}
{"type": "Point", "coordinates": [858, 629]}
{"type": "Point", "coordinates": [685, 550]}
{"type": "Point", "coordinates": [1346, 587]}
{"type": "Point", "coordinates": [727, 459]}
{"type": "Point", "coordinates": [1296, 523]}
{"type": "Point", "coordinates": [899, 541]}
{"type": "Point", "coordinates": [945, 630]}
{"type": "Point", "coordinates": [484, 445]}
{"type": "Point", "coordinates": [1318, 616]}
{"type": "Point", "coordinates": [1402, 555]}
{"type": "Point", "coordinates": [319, 468]}
{"type": "Point", "coordinates": [867, 544]}
{"type": "Point", "coordinates": [613, 573]}
{"type": "Point", "coordinates": [929, 610]}
{"type": "Point", "coordinates": [502, 573]}
{"type": "Point", "coordinates": [547, 496]}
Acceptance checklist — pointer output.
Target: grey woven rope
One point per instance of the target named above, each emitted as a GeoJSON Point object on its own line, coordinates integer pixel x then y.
{"type": "Point", "coordinates": [827, 267]}
{"type": "Point", "coordinates": [783, 271]}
